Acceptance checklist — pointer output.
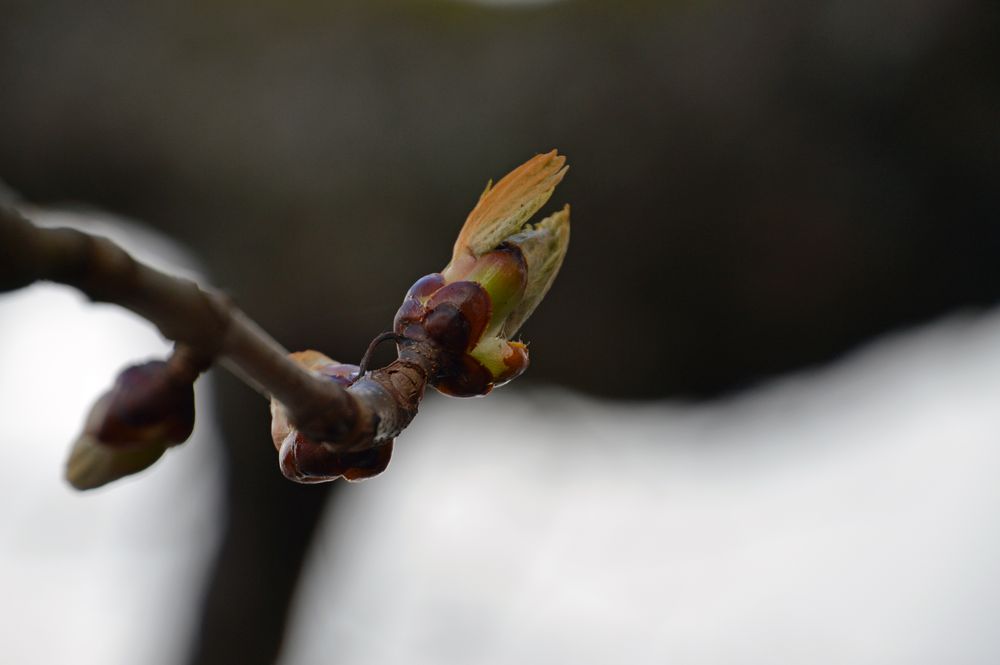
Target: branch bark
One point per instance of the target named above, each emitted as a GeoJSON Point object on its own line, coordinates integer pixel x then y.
{"type": "Point", "coordinates": [369, 413]}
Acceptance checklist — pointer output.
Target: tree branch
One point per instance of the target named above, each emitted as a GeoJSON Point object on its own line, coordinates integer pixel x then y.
{"type": "Point", "coordinates": [329, 419]}
{"type": "Point", "coordinates": [367, 413]}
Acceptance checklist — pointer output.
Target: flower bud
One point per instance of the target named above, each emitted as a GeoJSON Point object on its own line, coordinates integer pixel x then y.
{"type": "Point", "coordinates": [500, 270]}
{"type": "Point", "coordinates": [149, 409]}
{"type": "Point", "coordinates": [305, 461]}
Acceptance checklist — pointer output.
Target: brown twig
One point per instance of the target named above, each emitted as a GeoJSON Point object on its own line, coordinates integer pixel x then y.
{"type": "Point", "coordinates": [370, 351]}
{"type": "Point", "coordinates": [207, 325]}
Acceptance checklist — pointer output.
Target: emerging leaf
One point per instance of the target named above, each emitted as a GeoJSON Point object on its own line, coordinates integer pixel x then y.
{"type": "Point", "coordinates": [544, 248]}
{"type": "Point", "coordinates": [500, 270]}
{"type": "Point", "coordinates": [505, 207]}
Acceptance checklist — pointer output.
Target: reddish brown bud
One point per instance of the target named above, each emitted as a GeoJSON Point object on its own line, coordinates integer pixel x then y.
{"type": "Point", "coordinates": [448, 328]}
{"type": "Point", "coordinates": [472, 302]}
{"type": "Point", "coordinates": [410, 312]}
{"type": "Point", "coordinates": [150, 407]}
{"type": "Point", "coordinates": [424, 287]}
{"type": "Point", "coordinates": [367, 463]}
{"type": "Point", "coordinates": [465, 378]}
{"type": "Point", "coordinates": [147, 404]}
{"type": "Point", "coordinates": [306, 461]}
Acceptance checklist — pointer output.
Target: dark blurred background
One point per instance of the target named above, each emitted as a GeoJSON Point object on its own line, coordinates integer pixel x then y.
{"type": "Point", "coordinates": [756, 187]}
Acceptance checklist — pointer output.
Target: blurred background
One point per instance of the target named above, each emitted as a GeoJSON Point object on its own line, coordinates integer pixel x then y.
{"type": "Point", "coordinates": [759, 419]}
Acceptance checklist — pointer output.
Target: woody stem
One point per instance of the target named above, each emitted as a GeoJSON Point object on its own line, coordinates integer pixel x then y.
{"type": "Point", "coordinates": [209, 327]}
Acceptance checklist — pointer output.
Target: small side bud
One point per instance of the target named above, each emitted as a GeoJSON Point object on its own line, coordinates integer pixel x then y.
{"type": "Point", "coordinates": [306, 461]}
{"type": "Point", "coordinates": [147, 404]}
{"type": "Point", "coordinates": [149, 409]}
